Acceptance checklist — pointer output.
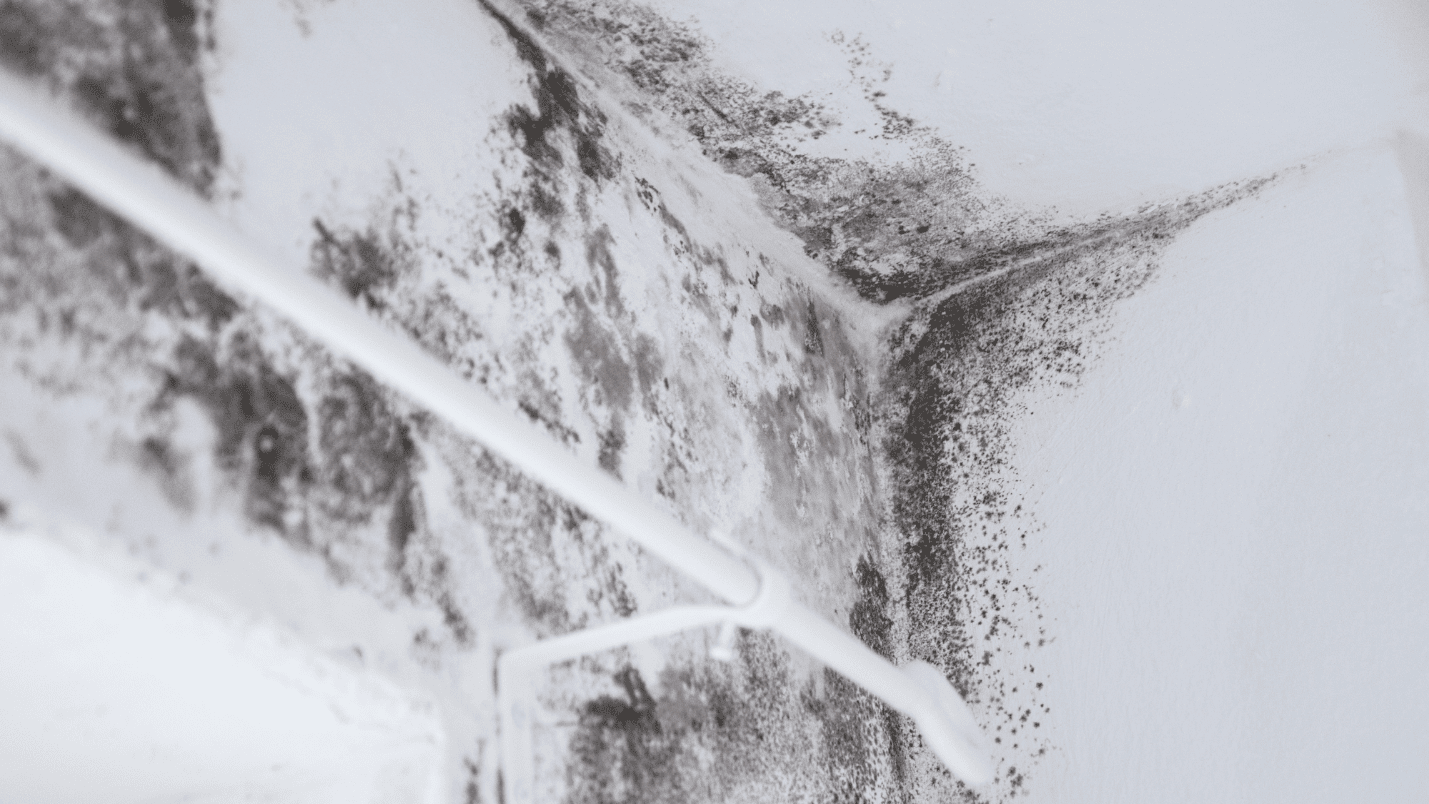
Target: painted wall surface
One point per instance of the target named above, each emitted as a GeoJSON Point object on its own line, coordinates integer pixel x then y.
{"type": "Point", "coordinates": [1236, 513]}
{"type": "Point", "coordinates": [1143, 472]}
{"type": "Point", "coordinates": [1099, 105]}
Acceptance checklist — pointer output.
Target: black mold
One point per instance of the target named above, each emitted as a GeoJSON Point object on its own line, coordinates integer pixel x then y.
{"type": "Point", "coordinates": [322, 444]}
{"type": "Point", "coordinates": [367, 454]}
{"type": "Point", "coordinates": [25, 46]}
{"type": "Point", "coordinates": [79, 220]}
{"type": "Point", "coordinates": [513, 224]}
{"type": "Point", "coordinates": [312, 450]}
{"type": "Point", "coordinates": [558, 108]}
{"type": "Point", "coordinates": [898, 232]}
{"type": "Point", "coordinates": [612, 441]}
{"type": "Point", "coordinates": [622, 749]}
{"type": "Point", "coordinates": [598, 256]}
{"type": "Point", "coordinates": [868, 619]}
{"type": "Point", "coordinates": [357, 262]}
{"type": "Point", "coordinates": [137, 78]}
{"type": "Point", "coordinates": [401, 527]}
{"type": "Point", "coordinates": [649, 367]}
{"type": "Point", "coordinates": [597, 355]}
{"type": "Point", "coordinates": [814, 336]}
{"type": "Point", "coordinates": [261, 424]}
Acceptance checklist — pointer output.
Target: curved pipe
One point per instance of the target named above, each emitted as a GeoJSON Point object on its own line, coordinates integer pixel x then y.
{"type": "Point", "coordinates": [151, 200]}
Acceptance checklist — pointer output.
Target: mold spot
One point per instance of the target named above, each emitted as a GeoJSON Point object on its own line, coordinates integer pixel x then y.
{"type": "Point", "coordinates": [772, 313]}
{"type": "Point", "coordinates": [598, 256]}
{"type": "Point", "coordinates": [136, 74]}
{"type": "Point", "coordinates": [869, 619]}
{"type": "Point", "coordinates": [401, 526]}
{"type": "Point", "coordinates": [79, 220]}
{"type": "Point", "coordinates": [25, 46]}
{"type": "Point", "coordinates": [355, 261]}
{"type": "Point", "coordinates": [21, 451]}
{"type": "Point", "coordinates": [157, 457]}
{"type": "Point", "coordinates": [366, 453]}
{"type": "Point", "coordinates": [813, 334]}
{"type": "Point", "coordinates": [612, 441]}
{"type": "Point", "coordinates": [513, 224]}
{"type": "Point", "coordinates": [619, 747]}
{"type": "Point", "coordinates": [559, 108]}
{"type": "Point", "coordinates": [260, 421]}
{"type": "Point", "coordinates": [597, 355]}
{"type": "Point", "coordinates": [649, 366]}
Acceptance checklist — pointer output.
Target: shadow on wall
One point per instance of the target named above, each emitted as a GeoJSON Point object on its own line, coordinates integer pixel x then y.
{"type": "Point", "coordinates": [1413, 152]}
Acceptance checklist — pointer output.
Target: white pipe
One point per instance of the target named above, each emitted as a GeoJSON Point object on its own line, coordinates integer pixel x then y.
{"type": "Point", "coordinates": [945, 721]}
{"type": "Point", "coordinates": [516, 668]}
{"type": "Point", "coordinates": [150, 199]}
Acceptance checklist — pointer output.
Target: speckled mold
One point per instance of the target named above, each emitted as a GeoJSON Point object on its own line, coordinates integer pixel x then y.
{"type": "Point", "coordinates": [819, 356]}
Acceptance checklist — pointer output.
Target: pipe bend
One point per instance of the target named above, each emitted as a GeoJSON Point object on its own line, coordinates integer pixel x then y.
{"type": "Point", "coordinates": [772, 601]}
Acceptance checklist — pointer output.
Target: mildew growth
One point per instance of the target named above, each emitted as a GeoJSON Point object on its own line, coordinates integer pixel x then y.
{"type": "Point", "coordinates": [315, 451]}
{"type": "Point", "coordinates": [127, 66]}
{"type": "Point", "coordinates": [999, 301]}
{"type": "Point", "coordinates": [728, 732]}
{"type": "Point", "coordinates": [586, 293]}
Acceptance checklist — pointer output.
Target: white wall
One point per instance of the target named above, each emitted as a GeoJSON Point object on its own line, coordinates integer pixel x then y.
{"type": "Point", "coordinates": [1236, 500]}
{"type": "Point", "coordinates": [1095, 104]}
{"type": "Point", "coordinates": [120, 685]}
{"type": "Point", "coordinates": [1237, 513]}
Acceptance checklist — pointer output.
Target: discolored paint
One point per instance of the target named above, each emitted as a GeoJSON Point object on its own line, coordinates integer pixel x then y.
{"type": "Point", "coordinates": [593, 290]}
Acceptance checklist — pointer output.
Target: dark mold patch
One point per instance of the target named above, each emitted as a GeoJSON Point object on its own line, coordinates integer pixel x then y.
{"type": "Point", "coordinates": [130, 66]}
{"type": "Point", "coordinates": [612, 441]}
{"type": "Point", "coordinates": [24, 45]}
{"type": "Point", "coordinates": [513, 224]}
{"type": "Point", "coordinates": [529, 528]}
{"type": "Point", "coordinates": [367, 452]}
{"type": "Point", "coordinates": [649, 367]}
{"type": "Point", "coordinates": [401, 528]}
{"type": "Point", "coordinates": [319, 453]}
{"type": "Point", "coordinates": [357, 262]}
{"type": "Point", "coordinates": [621, 745]}
{"type": "Point", "coordinates": [957, 365]}
{"type": "Point", "coordinates": [304, 446]}
{"type": "Point", "coordinates": [715, 732]}
{"type": "Point", "coordinates": [597, 355]}
{"type": "Point", "coordinates": [869, 619]}
{"type": "Point", "coordinates": [559, 109]}
{"type": "Point", "coordinates": [814, 336]}
{"type": "Point", "coordinates": [864, 219]}
{"type": "Point", "coordinates": [79, 220]}
{"type": "Point", "coordinates": [261, 424]}
{"type": "Point", "coordinates": [1000, 300]}
{"type": "Point", "coordinates": [170, 467]}
{"type": "Point", "coordinates": [597, 255]}
{"type": "Point", "coordinates": [22, 453]}
{"type": "Point", "coordinates": [651, 198]}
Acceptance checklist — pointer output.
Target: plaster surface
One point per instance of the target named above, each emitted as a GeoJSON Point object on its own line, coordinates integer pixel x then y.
{"type": "Point", "coordinates": [1128, 443]}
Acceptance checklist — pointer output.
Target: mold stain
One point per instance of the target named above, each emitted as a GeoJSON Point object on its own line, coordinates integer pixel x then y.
{"type": "Point", "coordinates": [128, 67]}
{"type": "Point", "coordinates": [597, 354]}
{"type": "Point", "coordinates": [998, 301]}
{"type": "Point", "coordinates": [910, 470]}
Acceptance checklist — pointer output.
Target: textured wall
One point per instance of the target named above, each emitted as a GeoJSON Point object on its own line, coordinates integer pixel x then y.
{"type": "Point", "coordinates": [663, 265]}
